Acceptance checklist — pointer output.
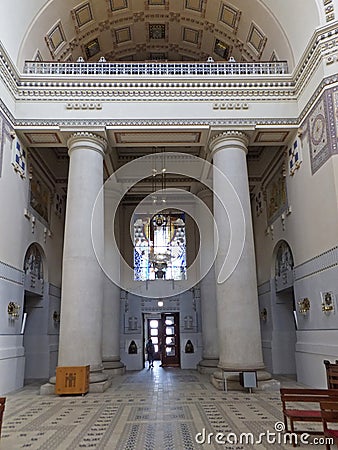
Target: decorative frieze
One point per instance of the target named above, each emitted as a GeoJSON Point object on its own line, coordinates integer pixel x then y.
{"type": "Point", "coordinates": [230, 105]}
{"type": "Point", "coordinates": [317, 264]}
{"type": "Point", "coordinates": [83, 105]}
{"type": "Point", "coordinates": [224, 123]}
{"type": "Point", "coordinates": [39, 197]}
{"type": "Point", "coordinates": [276, 193]}
{"type": "Point", "coordinates": [322, 129]}
{"type": "Point", "coordinates": [177, 92]}
{"type": "Point", "coordinates": [329, 10]}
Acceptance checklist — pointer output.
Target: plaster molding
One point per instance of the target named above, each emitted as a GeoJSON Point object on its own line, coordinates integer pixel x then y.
{"type": "Point", "coordinates": [87, 140]}
{"type": "Point", "coordinates": [229, 139]}
{"type": "Point", "coordinates": [226, 123]}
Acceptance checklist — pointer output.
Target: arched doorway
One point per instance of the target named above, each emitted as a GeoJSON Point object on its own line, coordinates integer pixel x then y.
{"type": "Point", "coordinates": [35, 320]}
{"type": "Point", "coordinates": [283, 309]}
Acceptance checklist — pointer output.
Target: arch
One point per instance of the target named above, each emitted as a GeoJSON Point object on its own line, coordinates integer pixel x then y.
{"type": "Point", "coordinates": [282, 259]}
{"type": "Point", "coordinates": [282, 29]}
{"type": "Point", "coordinates": [35, 262]}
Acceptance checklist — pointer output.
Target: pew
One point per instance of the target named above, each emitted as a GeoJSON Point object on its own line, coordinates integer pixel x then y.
{"type": "Point", "coordinates": [2, 409]}
{"type": "Point", "coordinates": [303, 405]}
{"type": "Point", "coordinates": [329, 412]}
{"type": "Point", "coordinates": [331, 374]}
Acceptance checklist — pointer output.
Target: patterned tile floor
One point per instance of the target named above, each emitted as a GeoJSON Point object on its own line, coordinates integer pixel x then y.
{"type": "Point", "coordinates": [158, 409]}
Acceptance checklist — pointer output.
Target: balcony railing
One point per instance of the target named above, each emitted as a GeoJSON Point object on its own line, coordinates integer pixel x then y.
{"type": "Point", "coordinates": [156, 68]}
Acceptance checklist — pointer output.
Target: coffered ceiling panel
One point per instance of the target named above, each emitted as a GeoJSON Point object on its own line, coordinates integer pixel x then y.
{"type": "Point", "coordinates": [191, 36]}
{"type": "Point", "coordinates": [42, 138]}
{"type": "Point", "coordinates": [230, 16]}
{"type": "Point", "coordinates": [157, 138]}
{"type": "Point", "coordinates": [117, 5]}
{"type": "Point", "coordinates": [194, 5]}
{"type": "Point", "coordinates": [123, 35]}
{"type": "Point", "coordinates": [270, 137]}
{"type": "Point", "coordinates": [82, 15]}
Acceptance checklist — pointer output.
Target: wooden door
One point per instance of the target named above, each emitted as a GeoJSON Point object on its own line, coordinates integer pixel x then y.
{"type": "Point", "coordinates": [153, 331]}
{"type": "Point", "coordinates": [170, 340]}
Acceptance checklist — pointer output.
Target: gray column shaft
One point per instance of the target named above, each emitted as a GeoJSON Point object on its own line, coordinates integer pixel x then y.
{"type": "Point", "coordinates": [237, 300]}
{"type": "Point", "coordinates": [82, 290]}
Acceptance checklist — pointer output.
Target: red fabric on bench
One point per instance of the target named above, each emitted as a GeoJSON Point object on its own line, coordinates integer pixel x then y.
{"type": "Point", "coordinates": [303, 413]}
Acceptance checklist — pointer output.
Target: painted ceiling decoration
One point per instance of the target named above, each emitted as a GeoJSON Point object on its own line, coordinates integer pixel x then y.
{"type": "Point", "coordinates": [184, 30]}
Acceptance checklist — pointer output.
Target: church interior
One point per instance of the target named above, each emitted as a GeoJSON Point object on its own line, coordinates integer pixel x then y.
{"type": "Point", "coordinates": [168, 170]}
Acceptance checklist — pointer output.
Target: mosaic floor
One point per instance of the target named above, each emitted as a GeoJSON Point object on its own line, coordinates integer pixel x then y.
{"type": "Point", "coordinates": [158, 409]}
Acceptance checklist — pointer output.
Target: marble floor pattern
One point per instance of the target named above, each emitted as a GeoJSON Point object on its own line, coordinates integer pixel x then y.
{"type": "Point", "coordinates": [156, 409]}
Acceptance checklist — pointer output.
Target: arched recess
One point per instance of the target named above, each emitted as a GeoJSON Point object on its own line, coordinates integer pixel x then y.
{"type": "Point", "coordinates": [283, 336]}
{"type": "Point", "coordinates": [284, 263]}
{"type": "Point", "coordinates": [35, 314]}
{"type": "Point", "coordinates": [35, 262]}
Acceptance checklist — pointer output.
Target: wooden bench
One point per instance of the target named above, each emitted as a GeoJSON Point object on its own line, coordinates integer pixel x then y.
{"type": "Point", "coordinates": [2, 409]}
{"type": "Point", "coordinates": [331, 374]}
{"type": "Point", "coordinates": [296, 413]}
{"type": "Point", "coordinates": [329, 412]}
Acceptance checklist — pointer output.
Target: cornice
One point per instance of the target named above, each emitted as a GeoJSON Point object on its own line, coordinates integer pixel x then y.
{"type": "Point", "coordinates": [6, 112]}
{"type": "Point", "coordinates": [24, 123]}
{"type": "Point", "coordinates": [8, 71]}
{"type": "Point", "coordinates": [323, 39]}
{"type": "Point", "coordinates": [179, 93]}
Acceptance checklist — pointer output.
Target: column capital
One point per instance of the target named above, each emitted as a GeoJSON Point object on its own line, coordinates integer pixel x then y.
{"type": "Point", "coordinates": [229, 140]}
{"type": "Point", "coordinates": [85, 140]}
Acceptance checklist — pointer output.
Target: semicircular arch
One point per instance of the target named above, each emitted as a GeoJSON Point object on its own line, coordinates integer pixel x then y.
{"type": "Point", "coordinates": [191, 30]}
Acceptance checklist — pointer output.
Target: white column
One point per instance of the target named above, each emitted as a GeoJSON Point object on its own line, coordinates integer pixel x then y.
{"type": "Point", "coordinates": [209, 360]}
{"type": "Point", "coordinates": [237, 299]}
{"type": "Point", "coordinates": [111, 293]}
{"type": "Point", "coordinates": [111, 329]}
{"type": "Point", "coordinates": [82, 282]}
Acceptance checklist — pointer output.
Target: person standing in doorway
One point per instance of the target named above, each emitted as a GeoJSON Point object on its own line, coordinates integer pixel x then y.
{"type": "Point", "coordinates": [150, 349]}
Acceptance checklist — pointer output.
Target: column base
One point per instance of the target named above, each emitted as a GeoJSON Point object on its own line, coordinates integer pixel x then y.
{"type": "Point", "coordinates": [224, 381]}
{"type": "Point", "coordinates": [112, 368]}
{"type": "Point", "coordinates": [207, 366]}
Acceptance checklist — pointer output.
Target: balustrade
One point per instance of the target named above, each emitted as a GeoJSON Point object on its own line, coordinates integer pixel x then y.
{"type": "Point", "coordinates": [156, 68]}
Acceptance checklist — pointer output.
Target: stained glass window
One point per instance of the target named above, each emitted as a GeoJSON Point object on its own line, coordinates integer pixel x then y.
{"type": "Point", "coordinates": [160, 247]}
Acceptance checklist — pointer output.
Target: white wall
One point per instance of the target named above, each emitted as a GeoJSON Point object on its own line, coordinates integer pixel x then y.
{"type": "Point", "coordinates": [17, 234]}
{"type": "Point", "coordinates": [311, 230]}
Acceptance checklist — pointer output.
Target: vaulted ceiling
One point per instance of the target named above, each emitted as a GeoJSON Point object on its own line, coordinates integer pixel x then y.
{"type": "Point", "coordinates": [138, 30]}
